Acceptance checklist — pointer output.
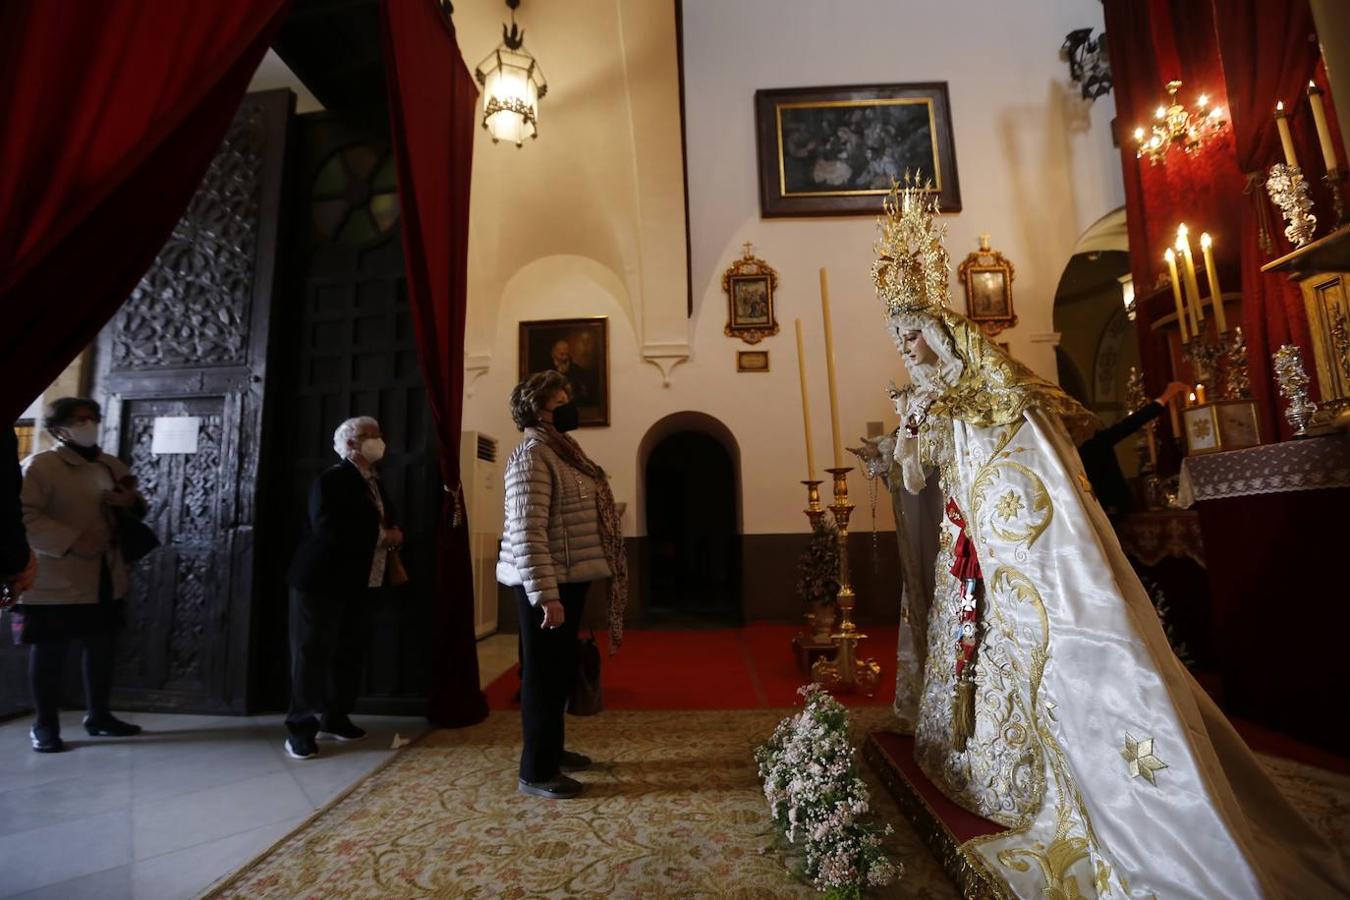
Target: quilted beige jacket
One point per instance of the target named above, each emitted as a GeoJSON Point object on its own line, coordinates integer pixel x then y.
{"type": "Point", "coordinates": [552, 532]}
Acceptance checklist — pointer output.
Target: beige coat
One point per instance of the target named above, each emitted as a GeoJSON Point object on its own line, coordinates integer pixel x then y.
{"type": "Point", "coordinates": [552, 533]}
{"type": "Point", "coordinates": [62, 496]}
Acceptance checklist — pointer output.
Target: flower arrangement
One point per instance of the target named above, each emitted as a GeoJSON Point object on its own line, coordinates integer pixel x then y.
{"type": "Point", "coordinates": [818, 801]}
{"type": "Point", "coordinates": [818, 566]}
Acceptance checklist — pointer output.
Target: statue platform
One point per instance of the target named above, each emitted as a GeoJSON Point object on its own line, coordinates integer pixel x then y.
{"type": "Point", "coordinates": [944, 826]}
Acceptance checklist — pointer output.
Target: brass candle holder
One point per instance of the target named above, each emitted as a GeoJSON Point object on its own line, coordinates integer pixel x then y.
{"type": "Point", "coordinates": [845, 672]}
{"type": "Point", "coordinates": [820, 618]}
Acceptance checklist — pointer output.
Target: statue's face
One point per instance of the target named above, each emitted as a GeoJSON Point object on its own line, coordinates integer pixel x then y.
{"type": "Point", "coordinates": [915, 349]}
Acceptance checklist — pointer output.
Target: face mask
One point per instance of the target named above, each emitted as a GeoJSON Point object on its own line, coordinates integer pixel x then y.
{"type": "Point", "coordinates": [566, 417]}
{"type": "Point", "coordinates": [372, 449]}
{"type": "Point", "coordinates": [83, 435]}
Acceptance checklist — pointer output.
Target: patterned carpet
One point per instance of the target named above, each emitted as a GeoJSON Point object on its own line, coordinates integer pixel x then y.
{"type": "Point", "coordinates": [673, 809]}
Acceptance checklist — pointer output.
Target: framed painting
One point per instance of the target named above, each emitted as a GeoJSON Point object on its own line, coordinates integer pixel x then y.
{"type": "Point", "coordinates": [579, 350]}
{"type": "Point", "coordinates": [749, 284]}
{"type": "Point", "coordinates": [987, 276]}
{"type": "Point", "coordinates": [833, 151]}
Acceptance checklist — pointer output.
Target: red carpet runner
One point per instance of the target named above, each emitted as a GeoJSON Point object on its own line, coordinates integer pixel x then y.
{"type": "Point", "coordinates": [730, 668]}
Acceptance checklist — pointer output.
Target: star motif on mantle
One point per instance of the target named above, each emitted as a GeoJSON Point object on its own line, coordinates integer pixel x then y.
{"type": "Point", "coordinates": [1139, 756]}
{"type": "Point", "coordinates": [1008, 506]}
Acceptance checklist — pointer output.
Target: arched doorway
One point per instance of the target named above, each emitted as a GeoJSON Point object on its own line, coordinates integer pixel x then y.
{"type": "Point", "coordinates": [692, 570]}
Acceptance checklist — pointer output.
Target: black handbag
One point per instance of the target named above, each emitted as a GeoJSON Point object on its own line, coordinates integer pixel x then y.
{"type": "Point", "coordinates": [586, 699]}
{"type": "Point", "coordinates": [134, 538]}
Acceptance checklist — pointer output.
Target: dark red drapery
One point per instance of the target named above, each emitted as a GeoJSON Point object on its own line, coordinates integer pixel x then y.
{"type": "Point", "coordinates": [1246, 54]}
{"type": "Point", "coordinates": [432, 101]}
{"type": "Point", "coordinates": [112, 112]}
{"type": "Point", "coordinates": [1268, 54]}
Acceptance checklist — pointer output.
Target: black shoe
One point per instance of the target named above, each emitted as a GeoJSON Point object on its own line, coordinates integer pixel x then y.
{"type": "Point", "coordinates": [45, 741]}
{"type": "Point", "coordinates": [559, 788]}
{"type": "Point", "coordinates": [110, 726]}
{"type": "Point", "coordinates": [574, 762]}
{"type": "Point", "coordinates": [301, 747]}
{"type": "Point", "coordinates": [342, 731]}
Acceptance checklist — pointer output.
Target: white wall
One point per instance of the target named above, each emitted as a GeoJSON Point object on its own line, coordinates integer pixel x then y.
{"type": "Point", "coordinates": [1036, 169]}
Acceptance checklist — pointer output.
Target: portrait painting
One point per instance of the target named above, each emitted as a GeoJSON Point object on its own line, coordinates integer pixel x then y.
{"type": "Point", "coordinates": [578, 349]}
{"type": "Point", "coordinates": [835, 151]}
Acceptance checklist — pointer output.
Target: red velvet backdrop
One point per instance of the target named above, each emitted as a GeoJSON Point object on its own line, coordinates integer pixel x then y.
{"type": "Point", "coordinates": [432, 102]}
{"type": "Point", "coordinates": [112, 112]}
{"type": "Point", "coordinates": [1245, 54]}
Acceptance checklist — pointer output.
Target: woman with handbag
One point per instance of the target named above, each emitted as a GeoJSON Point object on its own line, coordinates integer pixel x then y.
{"type": "Point", "coordinates": [350, 551]}
{"type": "Point", "coordinates": [562, 532]}
{"type": "Point", "coordinates": [72, 497]}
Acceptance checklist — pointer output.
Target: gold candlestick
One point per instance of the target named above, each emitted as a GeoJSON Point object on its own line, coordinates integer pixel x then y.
{"type": "Point", "coordinates": [819, 616]}
{"type": "Point", "coordinates": [845, 672]}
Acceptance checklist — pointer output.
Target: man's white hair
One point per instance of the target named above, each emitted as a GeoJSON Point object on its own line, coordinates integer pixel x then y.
{"type": "Point", "coordinates": [347, 431]}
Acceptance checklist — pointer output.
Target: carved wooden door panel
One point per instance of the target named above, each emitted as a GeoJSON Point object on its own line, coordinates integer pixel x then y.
{"type": "Point", "coordinates": [192, 341]}
{"type": "Point", "coordinates": [351, 351]}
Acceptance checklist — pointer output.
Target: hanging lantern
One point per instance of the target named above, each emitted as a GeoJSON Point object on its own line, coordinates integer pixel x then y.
{"type": "Point", "coordinates": [513, 85]}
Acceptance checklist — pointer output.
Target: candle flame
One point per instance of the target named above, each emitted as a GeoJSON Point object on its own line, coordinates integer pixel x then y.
{"type": "Point", "coordinates": [1161, 113]}
{"type": "Point", "coordinates": [1203, 101]}
{"type": "Point", "coordinates": [1312, 85]}
{"type": "Point", "coordinates": [1169, 255]}
{"type": "Point", "coordinates": [1139, 134]}
{"type": "Point", "coordinates": [1279, 106]}
{"type": "Point", "coordinates": [1182, 230]}
{"type": "Point", "coordinates": [1205, 242]}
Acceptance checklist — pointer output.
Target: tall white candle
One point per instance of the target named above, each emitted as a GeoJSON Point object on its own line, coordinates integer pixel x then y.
{"type": "Point", "coordinates": [1212, 273]}
{"type": "Point", "coordinates": [1286, 139]}
{"type": "Point", "coordinates": [829, 369]}
{"type": "Point", "coordinates": [806, 405]}
{"type": "Point", "coordinates": [1320, 120]}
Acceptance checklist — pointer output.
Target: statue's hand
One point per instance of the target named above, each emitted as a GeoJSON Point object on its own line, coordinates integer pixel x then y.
{"type": "Point", "coordinates": [875, 455]}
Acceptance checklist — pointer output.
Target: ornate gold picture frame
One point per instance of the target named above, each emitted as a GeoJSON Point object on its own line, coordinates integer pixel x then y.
{"type": "Point", "coordinates": [987, 276]}
{"type": "Point", "coordinates": [749, 284]}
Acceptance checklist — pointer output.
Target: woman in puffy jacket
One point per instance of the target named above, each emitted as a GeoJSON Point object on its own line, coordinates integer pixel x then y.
{"type": "Point", "coordinates": [562, 532]}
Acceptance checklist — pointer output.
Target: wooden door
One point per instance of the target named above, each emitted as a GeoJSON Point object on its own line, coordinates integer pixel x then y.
{"type": "Point", "coordinates": [192, 342]}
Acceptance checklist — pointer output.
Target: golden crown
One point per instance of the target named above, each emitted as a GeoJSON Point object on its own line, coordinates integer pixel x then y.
{"type": "Point", "coordinates": [910, 273]}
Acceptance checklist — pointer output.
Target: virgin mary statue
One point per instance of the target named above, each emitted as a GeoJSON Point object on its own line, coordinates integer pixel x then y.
{"type": "Point", "coordinates": [1034, 673]}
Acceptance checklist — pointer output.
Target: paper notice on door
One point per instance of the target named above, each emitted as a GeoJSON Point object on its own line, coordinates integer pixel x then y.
{"type": "Point", "coordinates": [175, 434]}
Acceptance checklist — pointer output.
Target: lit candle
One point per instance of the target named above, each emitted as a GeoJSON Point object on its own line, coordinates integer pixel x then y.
{"type": "Point", "coordinates": [1286, 139]}
{"type": "Point", "coordinates": [1212, 273]}
{"type": "Point", "coordinates": [1199, 394]}
{"type": "Point", "coordinates": [829, 369]}
{"type": "Point", "coordinates": [806, 406]}
{"type": "Point", "coordinates": [1171, 258]}
{"type": "Point", "coordinates": [1188, 272]}
{"type": "Point", "coordinates": [1320, 120]}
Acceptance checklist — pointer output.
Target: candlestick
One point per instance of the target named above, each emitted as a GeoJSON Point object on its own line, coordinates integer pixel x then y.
{"type": "Point", "coordinates": [1286, 139]}
{"type": "Point", "coordinates": [1188, 272]}
{"type": "Point", "coordinates": [806, 406]}
{"type": "Point", "coordinates": [1171, 258]}
{"type": "Point", "coordinates": [1212, 273]}
{"type": "Point", "coordinates": [829, 369]}
{"type": "Point", "coordinates": [1320, 120]}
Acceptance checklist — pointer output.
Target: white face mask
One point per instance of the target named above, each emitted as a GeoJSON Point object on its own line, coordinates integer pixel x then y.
{"type": "Point", "coordinates": [83, 435]}
{"type": "Point", "coordinates": [372, 449]}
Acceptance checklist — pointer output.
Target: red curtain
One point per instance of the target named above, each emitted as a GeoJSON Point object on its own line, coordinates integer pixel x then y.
{"type": "Point", "coordinates": [1269, 53]}
{"type": "Point", "coordinates": [432, 102]}
{"type": "Point", "coordinates": [112, 112]}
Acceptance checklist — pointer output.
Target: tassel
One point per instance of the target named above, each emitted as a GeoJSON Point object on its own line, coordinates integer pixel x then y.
{"type": "Point", "coordinates": [963, 713]}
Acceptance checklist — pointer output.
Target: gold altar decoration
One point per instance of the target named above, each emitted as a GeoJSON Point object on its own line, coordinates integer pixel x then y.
{"type": "Point", "coordinates": [749, 284]}
{"type": "Point", "coordinates": [1325, 298]}
{"type": "Point", "coordinates": [1293, 382]}
{"type": "Point", "coordinates": [1289, 192]}
{"type": "Point", "coordinates": [820, 617]}
{"type": "Point", "coordinates": [987, 276]}
{"type": "Point", "coordinates": [1221, 425]}
{"type": "Point", "coordinates": [845, 672]}
{"type": "Point", "coordinates": [1176, 126]}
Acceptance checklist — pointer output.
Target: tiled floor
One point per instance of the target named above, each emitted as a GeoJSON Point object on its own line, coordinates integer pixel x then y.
{"type": "Point", "coordinates": [169, 813]}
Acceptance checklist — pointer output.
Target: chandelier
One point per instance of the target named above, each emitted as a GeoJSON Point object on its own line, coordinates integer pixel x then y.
{"type": "Point", "coordinates": [1176, 126]}
{"type": "Point", "coordinates": [513, 85]}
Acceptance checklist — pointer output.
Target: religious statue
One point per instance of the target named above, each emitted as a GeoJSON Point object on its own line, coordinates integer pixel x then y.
{"type": "Point", "coordinates": [1033, 670]}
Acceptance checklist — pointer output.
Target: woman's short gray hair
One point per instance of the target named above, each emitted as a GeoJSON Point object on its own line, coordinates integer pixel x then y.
{"type": "Point", "coordinates": [349, 430]}
{"type": "Point", "coordinates": [528, 397]}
